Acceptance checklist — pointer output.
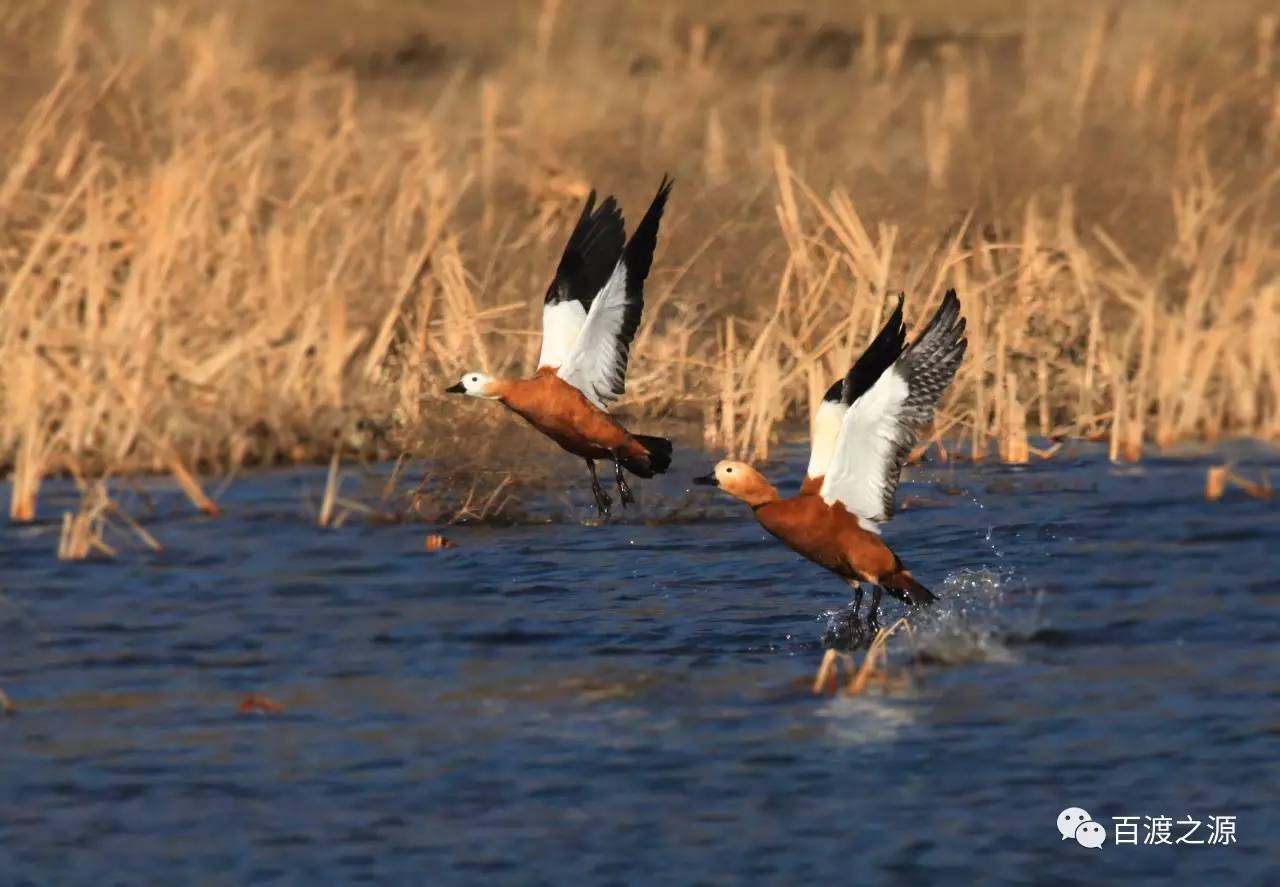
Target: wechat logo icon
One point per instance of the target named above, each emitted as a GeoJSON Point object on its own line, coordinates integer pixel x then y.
{"type": "Point", "coordinates": [1075, 822]}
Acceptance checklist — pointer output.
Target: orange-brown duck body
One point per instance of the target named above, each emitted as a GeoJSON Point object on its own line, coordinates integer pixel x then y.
{"type": "Point", "coordinates": [826, 534]}
{"type": "Point", "coordinates": [590, 315]}
{"type": "Point", "coordinates": [564, 414]}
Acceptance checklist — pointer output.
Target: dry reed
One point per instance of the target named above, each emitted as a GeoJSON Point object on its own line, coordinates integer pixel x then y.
{"type": "Point", "coordinates": [84, 532]}
{"type": "Point", "coordinates": [1219, 477]}
{"type": "Point", "coordinates": [270, 232]}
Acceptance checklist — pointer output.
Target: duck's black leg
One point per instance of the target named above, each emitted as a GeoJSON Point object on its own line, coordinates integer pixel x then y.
{"type": "Point", "coordinates": [855, 624]}
{"type": "Point", "coordinates": [603, 502]}
{"type": "Point", "coordinates": [624, 491]}
{"type": "Point", "coordinates": [873, 615]}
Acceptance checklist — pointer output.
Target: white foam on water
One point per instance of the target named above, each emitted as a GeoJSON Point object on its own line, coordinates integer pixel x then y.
{"type": "Point", "coordinates": [979, 614]}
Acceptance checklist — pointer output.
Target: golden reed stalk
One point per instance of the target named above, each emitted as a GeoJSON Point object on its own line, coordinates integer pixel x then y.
{"type": "Point", "coordinates": [240, 242]}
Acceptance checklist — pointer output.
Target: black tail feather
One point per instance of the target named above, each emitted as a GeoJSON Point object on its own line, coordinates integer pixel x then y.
{"type": "Point", "coordinates": [905, 588]}
{"type": "Point", "coordinates": [659, 456]}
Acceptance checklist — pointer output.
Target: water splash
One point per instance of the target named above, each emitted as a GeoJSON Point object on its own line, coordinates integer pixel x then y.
{"type": "Point", "coordinates": [989, 538]}
{"type": "Point", "coordinates": [979, 616]}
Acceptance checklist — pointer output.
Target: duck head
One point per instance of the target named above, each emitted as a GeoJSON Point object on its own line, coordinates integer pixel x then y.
{"type": "Point", "coordinates": [741, 481]}
{"type": "Point", "coordinates": [474, 384]}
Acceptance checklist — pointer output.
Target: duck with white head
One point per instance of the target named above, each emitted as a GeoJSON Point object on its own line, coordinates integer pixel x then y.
{"type": "Point", "coordinates": [590, 316]}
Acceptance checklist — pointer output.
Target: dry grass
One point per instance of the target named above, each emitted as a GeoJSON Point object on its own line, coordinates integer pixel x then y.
{"type": "Point", "coordinates": [462, 494]}
{"type": "Point", "coordinates": [85, 532]}
{"type": "Point", "coordinates": [1219, 477]}
{"type": "Point", "coordinates": [239, 234]}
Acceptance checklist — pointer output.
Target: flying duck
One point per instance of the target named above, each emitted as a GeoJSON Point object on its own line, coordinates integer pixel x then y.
{"type": "Point", "coordinates": [861, 434]}
{"type": "Point", "coordinates": [589, 318]}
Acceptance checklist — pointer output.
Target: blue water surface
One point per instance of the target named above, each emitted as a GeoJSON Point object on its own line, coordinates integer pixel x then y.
{"type": "Point", "coordinates": [550, 703]}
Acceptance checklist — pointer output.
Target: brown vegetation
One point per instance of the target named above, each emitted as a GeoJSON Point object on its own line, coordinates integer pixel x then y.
{"type": "Point", "coordinates": [1218, 477]}
{"type": "Point", "coordinates": [240, 233]}
{"type": "Point", "coordinates": [85, 533]}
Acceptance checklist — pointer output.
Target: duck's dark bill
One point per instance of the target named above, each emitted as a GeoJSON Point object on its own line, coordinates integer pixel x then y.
{"type": "Point", "coordinates": [707, 480]}
{"type": "Point", "coordinates": [455, 389]}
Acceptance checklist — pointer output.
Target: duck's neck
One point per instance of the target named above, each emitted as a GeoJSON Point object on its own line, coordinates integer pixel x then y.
{"type": "Point", "coordinates": [499, 389]}
{"type": "Point", "coordinates": [759, 493]}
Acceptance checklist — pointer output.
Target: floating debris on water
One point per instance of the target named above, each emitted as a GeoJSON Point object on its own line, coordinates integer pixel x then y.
{"type": "Point", "coordinates": [1219, 476]}
{"type": "Point", "coordinates": [253, 704]}
{"type": "Point", "coordinates": [438, 542]}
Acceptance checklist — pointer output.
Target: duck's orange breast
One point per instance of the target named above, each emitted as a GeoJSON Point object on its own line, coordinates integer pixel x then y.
{"type": "Point", "coordinates": [564, 414]}
{"type": "Point", "coordinates": [828, 535]}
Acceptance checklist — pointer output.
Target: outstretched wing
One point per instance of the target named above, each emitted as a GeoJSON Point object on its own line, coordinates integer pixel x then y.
{"type": "Point", "coordinates": [883, 423]}
{"type": "Point", "coordinates": [588, 262]}
{"type": "Point", "coordinates": [597, 363]}
{"type": "Point", "coordinates": [884, 349]}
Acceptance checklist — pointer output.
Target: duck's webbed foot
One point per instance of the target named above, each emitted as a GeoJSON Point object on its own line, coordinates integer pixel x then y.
{"type": "Point", "coordinates": [624, 490]}
{"type": "Point", "coordinates": [603, 501]}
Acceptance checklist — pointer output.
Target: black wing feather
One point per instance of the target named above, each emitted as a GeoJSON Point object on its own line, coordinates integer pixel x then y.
{"type": "Point", "coordinates": [884, 349]}
{"type": "Point", "coordinates": [881, 354]}
{"type": "Point", "coordinates": [590, 255]}
{"type": "Point", "coordinates": [638, 257]}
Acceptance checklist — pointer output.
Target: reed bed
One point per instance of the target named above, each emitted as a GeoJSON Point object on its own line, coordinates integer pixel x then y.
{"type": "Point", "coordinates": [244, 234]}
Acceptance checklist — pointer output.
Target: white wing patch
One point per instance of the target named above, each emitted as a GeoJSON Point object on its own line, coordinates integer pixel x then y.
{"type": "Point", "coordinates": [823, 432]}
{"type": "Point", "coordinates": [596, 363]}
{"type": "Point", "coordinates": [862, 468]}
{"type": "Point", "coordinates": [561, 324]}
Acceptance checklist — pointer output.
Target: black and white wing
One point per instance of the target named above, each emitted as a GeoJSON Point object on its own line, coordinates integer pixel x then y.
{"type": "Point", "coordinates": [597, 363]}
{"type": "Point", "coordinates": [824, 430]}
{"type": "Point", "coordinates": [884, 422]}
{"type": "Point", "coordinates": [589, 259]}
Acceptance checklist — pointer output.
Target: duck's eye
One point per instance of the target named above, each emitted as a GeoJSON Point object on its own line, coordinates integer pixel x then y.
{"type": "Point", "coordinates": [728, 471]}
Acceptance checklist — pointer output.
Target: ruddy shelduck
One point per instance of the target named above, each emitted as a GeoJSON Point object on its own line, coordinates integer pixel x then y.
{"type": "Point", "coordinates": [862, 432]}
{"type": "Point", "coordinates": [589, 318]}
